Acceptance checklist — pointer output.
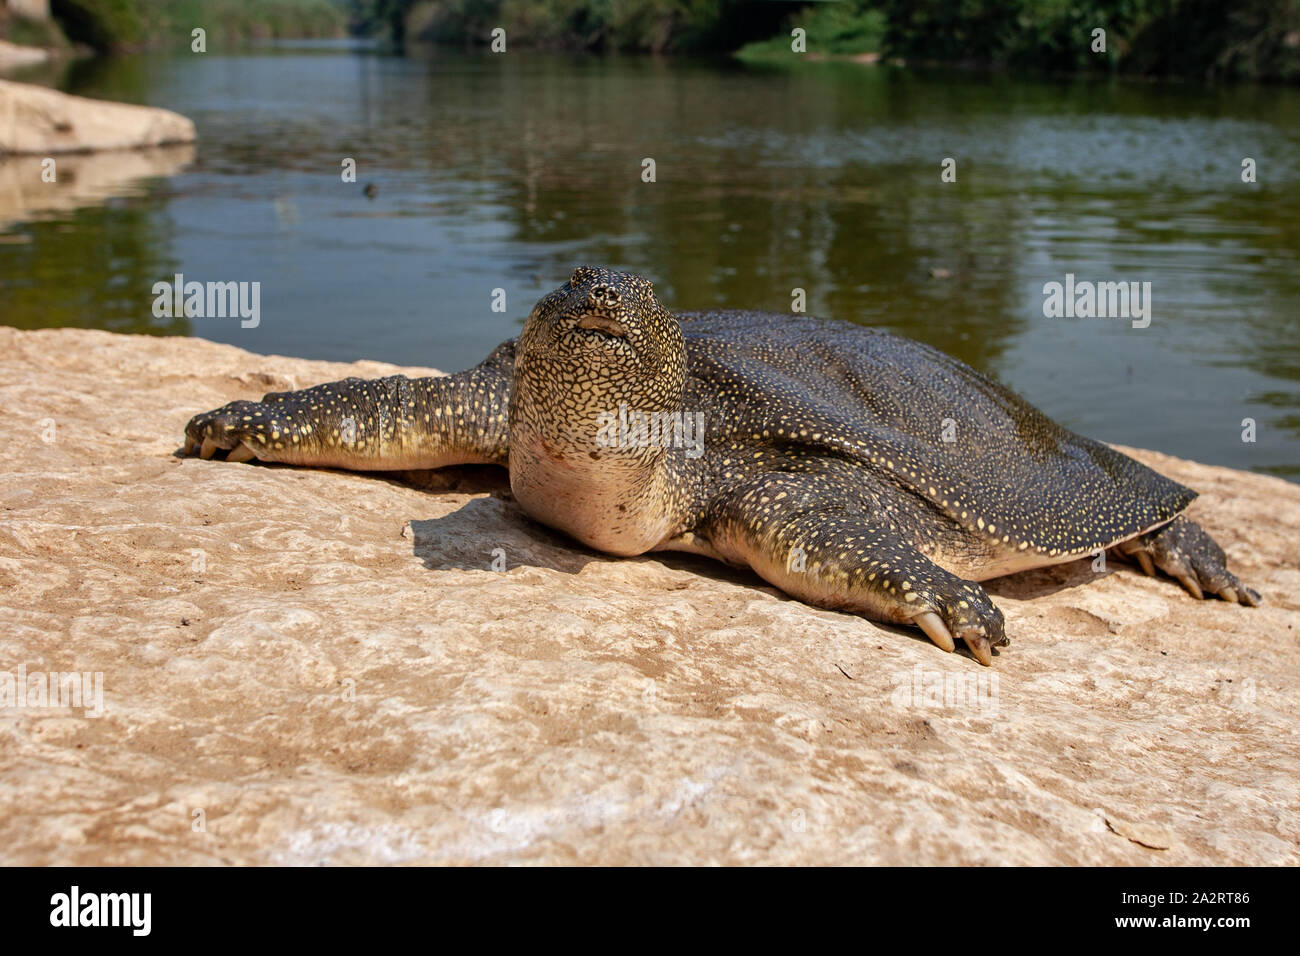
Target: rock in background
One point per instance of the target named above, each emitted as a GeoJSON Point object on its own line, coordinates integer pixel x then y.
{"type": "Point", "coordinates": [318, 667]}
{"type": "Point", "coordinates": [15, 57]}
{"type": "Point", "coordinates": [34, 119]}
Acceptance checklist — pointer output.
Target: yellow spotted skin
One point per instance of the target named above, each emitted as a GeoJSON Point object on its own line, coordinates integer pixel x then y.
{"type": "Point", "coordinates": [386, 424]}
{"type": "Point", "coordinates": [853, 468]}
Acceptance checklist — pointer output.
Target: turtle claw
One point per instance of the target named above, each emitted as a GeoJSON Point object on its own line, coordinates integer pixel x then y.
{"type": "Point", "coordinates": [224, 428]}
{"type": "Point", "coordinates": [981, 647]}
{"type": "Point", "coordinates": [936, 630]}
{"type": "Point", "coordinates": [1144, 559]}
{"type": "Point", "coordinates": [1187, 554]}
{"type": "Point", "coordinates": [1189, 582]}
{"type": "Point", "coordinates": [968, 615]}
{"type": "Point", "coordinates": [1240, 594]}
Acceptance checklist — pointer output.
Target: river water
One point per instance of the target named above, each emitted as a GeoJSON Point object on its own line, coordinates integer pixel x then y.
{"type": "Point", "coordinates": [503, 172]}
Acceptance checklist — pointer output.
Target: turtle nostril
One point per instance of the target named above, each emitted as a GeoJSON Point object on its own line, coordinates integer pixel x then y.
{"type": "Point", "coordinates": [603, 295]}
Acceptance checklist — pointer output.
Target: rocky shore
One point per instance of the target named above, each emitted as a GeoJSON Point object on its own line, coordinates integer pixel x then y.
{"type": "Point", "coordinates": [15, 57]}
{"type": "Point", "coordinates": [41, 121]}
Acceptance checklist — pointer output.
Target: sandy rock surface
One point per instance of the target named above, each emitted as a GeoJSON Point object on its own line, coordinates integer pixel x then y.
{"type": "Point", "coordinates": [317, 667]}
{"type": "Point", "coordinates": [34, 119]}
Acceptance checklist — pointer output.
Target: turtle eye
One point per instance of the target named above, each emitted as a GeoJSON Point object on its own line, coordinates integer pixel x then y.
{"type": "Point", "coordinates": [579, 274]}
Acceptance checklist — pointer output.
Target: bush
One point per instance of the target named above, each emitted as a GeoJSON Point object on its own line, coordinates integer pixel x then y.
{"type": "Point", "coordinates": [1216, 38]}
{"type": "Point", "coordinates": [102, 24]}
{"type": "Point", "coordinates": [118, 24]}
{"type": "Point", "coordinates": [833, 28]}
{"type": "Point", "coordinates": [1210, 38]}
{"type": "Point", "coordinates": [644, 25]}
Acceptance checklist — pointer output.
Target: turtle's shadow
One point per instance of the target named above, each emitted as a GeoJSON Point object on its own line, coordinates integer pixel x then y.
{"type": "Point", "coordinates": [465, 479]}
{"type": "Point", "coordinates": [1042, 582]}
{"type": "Point", "coordinates": [493, 533]}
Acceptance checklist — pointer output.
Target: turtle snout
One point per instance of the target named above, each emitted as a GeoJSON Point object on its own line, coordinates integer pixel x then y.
{"type": "Point", "coordinates": [604, 297]}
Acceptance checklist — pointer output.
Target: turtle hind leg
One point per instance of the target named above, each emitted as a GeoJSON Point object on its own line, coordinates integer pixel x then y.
{"type": "Point", "coordinates": [1186, 553]}
{"type": "Point", "coordinates": [807, 537]}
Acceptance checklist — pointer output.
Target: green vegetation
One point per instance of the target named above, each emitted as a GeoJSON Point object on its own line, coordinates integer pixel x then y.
{"type": "Point", "coordinates": [1255, 39]}
{"type": "Point", "coordinates": [833, 27]}
{"type": "Point", "coordinates": [260, 19]}
{"type": "Point", "coordinates": [102, 24]}
{"type": "Point", "coordinates": [631, 25]}
{"type": "Point", "coordinates": [1216, 39]}
{"type": "Point", "coordinates": [1258, 39]}
{"type": "Point", "coordinates": [1201, 38]}
{"type": "Point", "coordinates": [121, 24]}
{"type": "Point", "coordinates": [24, 32]}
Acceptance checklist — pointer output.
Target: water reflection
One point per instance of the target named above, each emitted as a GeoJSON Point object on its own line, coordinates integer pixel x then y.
{"type": "Point", "coordinates": [505, 172]}
{"type": "Point", "coordinates": [81, 179]}
{"type": "Point", "coordinates": [91, 242]}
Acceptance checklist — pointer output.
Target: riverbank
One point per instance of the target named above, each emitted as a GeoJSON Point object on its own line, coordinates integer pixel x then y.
{"type": "Point", "coordinates": [120, 25]}
{"type": "Point", "coordinates": [39, 121]}
{"type": "Point", "coordinates": [1183, 38]}
{"type": "Point", "coordinates": [324, 668]}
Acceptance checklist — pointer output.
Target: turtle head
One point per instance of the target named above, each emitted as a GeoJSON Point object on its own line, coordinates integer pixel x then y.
{"type": "Point", "coordinates": [596, 412]}
{"type": "Point", "coordinates": [603, 337]}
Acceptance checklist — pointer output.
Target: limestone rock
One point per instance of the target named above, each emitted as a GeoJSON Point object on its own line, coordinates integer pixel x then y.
{"type": "Point", "coordinates": [15, 57]}
{"type": "Point", "coordinates": [34, 119]}
{"type": "Point", "coordinates": [318, 667]}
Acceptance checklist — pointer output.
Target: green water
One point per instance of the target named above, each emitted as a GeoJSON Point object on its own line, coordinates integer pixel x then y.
{"type": "Point", "coordinates": [503, 172]}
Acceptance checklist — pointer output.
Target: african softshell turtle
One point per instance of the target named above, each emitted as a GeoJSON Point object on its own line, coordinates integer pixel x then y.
{"type": "Point", "coordinates": [850, 467]}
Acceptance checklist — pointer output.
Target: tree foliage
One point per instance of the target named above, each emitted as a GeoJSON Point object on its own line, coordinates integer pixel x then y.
{"type": "Point", "coordinates": [122, 24]}
{"type": "Point", "coordinates": [1199, 38]}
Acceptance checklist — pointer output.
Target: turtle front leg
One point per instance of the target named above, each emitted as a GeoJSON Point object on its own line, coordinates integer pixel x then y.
{"type": "Point", "coordinates": [816, 545]}
{"type": "Point", "coordinates": [1185, 552]}
{"type": "Point", "coordinates": [386, 424]}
